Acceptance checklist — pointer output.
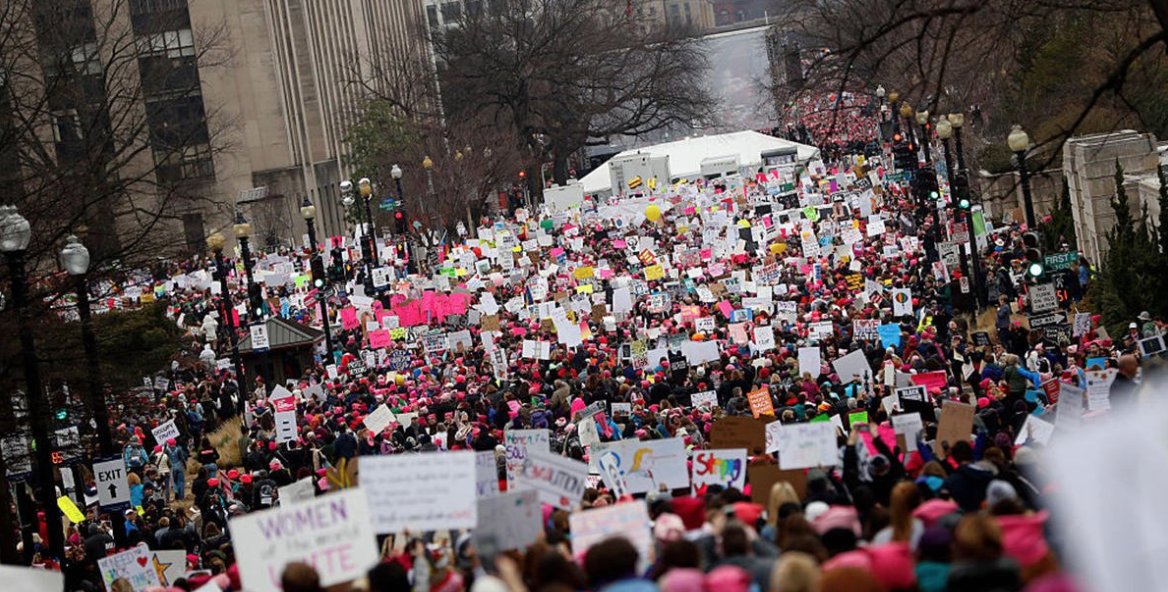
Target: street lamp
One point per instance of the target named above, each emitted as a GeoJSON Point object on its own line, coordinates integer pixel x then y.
{"type": "Point", "coordinates": [958, 121]}
{"type": "Point", "coordinates": [242, 230]}
{"type": "Point", "coordinates": [308, 212]}
{"type": "Point", "coordinates": [1019, 143]}
{"type": "Point", "coordinates": [75, 260]}
{"type": "Point", "coordinates": [15, 234]}
{"type": "Point", "coordinates": [215, 242]}
{"type": "Point", "coordinates": [959, 202]}
{"type": "Point", "coordinates": [880, 93]}
{"type": "Point", "coordinates": [428, 165]}
{"type": "Point", "coordinates": [906, 111]}
{"type": "Point", "coordinates": [366, 189]}
{"type": "Point", "coordinates": [923, 121]}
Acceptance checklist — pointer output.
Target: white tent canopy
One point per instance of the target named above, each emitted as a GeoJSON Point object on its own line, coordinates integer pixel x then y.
{"type": "Point", "coordinates": [686, 156]}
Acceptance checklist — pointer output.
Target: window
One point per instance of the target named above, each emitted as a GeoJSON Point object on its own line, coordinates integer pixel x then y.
{"type": "Point", "coordinates": [188, 162]}
{"type": "Point", "coordinates": [86, 59]}
{"type": "Point", "coordinates": [451, 11]}
{"type": "Point", "coordinates": [172, 44]}
{"type": "Point", "coordinates": [432, 15]}
{"type": "Point", "coordinates": [66, 126]}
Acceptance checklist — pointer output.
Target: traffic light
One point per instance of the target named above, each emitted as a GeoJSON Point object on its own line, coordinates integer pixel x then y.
{"type": "Point", "coordinates": [925, 186]}
{"type": "Point", "coordinates": [904, 154]}
{"type": "Point", "coordinates": [319, 278]}
{"type": "Point", "coordinates": [1035, 266]}
{"type": "Point", "coordinates": [961, 191]}
{"type": "Point", "coordinates": [399, 221]}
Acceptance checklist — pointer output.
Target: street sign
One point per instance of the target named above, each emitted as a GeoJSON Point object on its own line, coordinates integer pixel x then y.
{"type": "Point", "coordinates": [1058, 334]}
{"type": "Point", "coordinates": [16, 457]}
{"type": "Point", "coordinates": [259, 337]}
{"type": "Point", "coordinates": [1047, 320]}
{"type": "Point", "coordinates": [1060, 261]}
{"type": "Point", "coordinates": [381, 277]}
{"type": "Point", "coordinates": [1043, 298]}
{"type": "Point", "coordinates": [113, 490]}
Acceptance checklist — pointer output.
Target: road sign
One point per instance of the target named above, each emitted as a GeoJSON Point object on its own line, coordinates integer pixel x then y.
{"type": "Point", "coordinates": [113, 490]}
{"type": "Point", "coordinates": [1060, 261]}
{"type": "Point", "coordinates": [1047, 320]}
{"type": "Point", "coordinates": [259, 337]}
{"type": "Point", "coordinates": [1043, 298]}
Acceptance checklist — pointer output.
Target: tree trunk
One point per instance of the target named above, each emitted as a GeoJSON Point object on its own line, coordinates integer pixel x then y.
{"type": "Point", "coordinates": [560, 168]}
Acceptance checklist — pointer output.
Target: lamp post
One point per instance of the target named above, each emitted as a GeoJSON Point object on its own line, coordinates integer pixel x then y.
{"type": "Point", "coordinates": [957, 120]}
{"type": "Point", "coordinates": [308, 212]}
{"type": "Point", "coordinates": [923, 121]}
{"type": "Point", "coordinates": [402, 229]}
{"type": "Point", "coordinates": [428, 165]}
{"type": "Point", "coordinates": [880, 92]}
{"type": "Point", "coordinates": [945, 131]}
{"type": "Point", "coordinates": [243, 232]}
{"type": "Point", "coordinates": [75, 260]}
{"type": "Point", "coordinates": [215, 242]}
{"type": "Point", "coordinates": [906, 111]}
{"type": "Point", "coordinates": [396, 173]}
{"type": "Point", "coordinates": [366, 189]}
{"type": "Point", "coordinates": [15, 234]}
{"type": "Point", "coordinates": [894, 107]}
{"type": "Point", "coordinates": [1019, 143]}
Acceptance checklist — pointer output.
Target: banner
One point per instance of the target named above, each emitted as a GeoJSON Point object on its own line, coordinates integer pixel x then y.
{"type": "Point", "coordinates": [420, 492]}
{"type": "Point", "coordinates": [559, 480]}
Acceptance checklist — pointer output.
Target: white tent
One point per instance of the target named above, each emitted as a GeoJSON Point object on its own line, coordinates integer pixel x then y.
{"type": "Point", "coordinates": [686, 156]}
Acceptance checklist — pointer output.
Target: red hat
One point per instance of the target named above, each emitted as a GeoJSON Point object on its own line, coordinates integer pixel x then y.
{"type": "Point", "coordinates": [213, 482]}
{"type": "Point", "coordinates": [893, 565]}
{"type": "Point", "coordinates": [245, 478]}
{"type": "Point", "coordinates": [691, 510]}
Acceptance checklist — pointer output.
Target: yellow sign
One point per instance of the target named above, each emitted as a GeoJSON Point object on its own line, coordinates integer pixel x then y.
{"type": "Point", "coordinates": [70, 509]}
{"type": "Point", "coordinates": [654, 272]}
{"type": "Point", "coordinates": [584, 289]}
{"type": "Point", "coordinates": [584, 272]}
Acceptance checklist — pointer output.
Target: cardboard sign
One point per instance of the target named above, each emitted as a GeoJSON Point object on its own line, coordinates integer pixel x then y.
{"type": "Point", "coordinates": [955, 425]}
{"type": "Point", "coordinates": [559, 480]}
{"type": "Point", "coordinates": [420, 492]}
{"type": "Point", "coordinates": [762, 478]}
{"type": "Point", "coordinates": [719, 467]}
{"type": "Point", "coordinates": [740, 432]}
{"type": "Point", "coordinates": [334, 533]}
{"type": "Point", "coordinates": [760, 402]}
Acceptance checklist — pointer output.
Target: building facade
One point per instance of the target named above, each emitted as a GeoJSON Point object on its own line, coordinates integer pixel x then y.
{"type": "Point", "coordinates": [1089, 166]}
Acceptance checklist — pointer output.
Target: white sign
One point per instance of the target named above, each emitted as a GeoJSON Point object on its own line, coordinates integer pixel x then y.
{"type": "Point", "coordinates": [902, 302]}
{"type": "Point", "coordinates": [559, 480]}
{"type": "Point", "coordinates": [133, 565]}
{"type": "Point", "coordinates": [807, 445]}
{"type": "Point", "coordinates": [1043, 298]}
{"type": "Point", "coordinates": [381, 277]}
{"type": "Point", "coordinates": [853, 366]}
{"type": "Point", "coordinates": [764, 338]}
{"type": "Point", "coordinates": [113, 490]}
{"type": "Point", "coordinates": [165, 432]}
{"type": "Point", "coordinates": [629, 520]}
{"type": "Point", "coordinates": [645, 466]}
{"type": "Point", "coordinates": [909, 425]}
{"type": "Point", "coordinates": [31, 579]}
{"type": "Point", "coordinates": [517, 443]}
{"type": "Point", "coordinates": [511, 520]}
{"type": "Point", "coordinates": [379, 419]}
{"type": "Point", "coordinates": [259, 337]}
{"type": "Point", "coordinates": [297, 492]}
{"type": "Point", "coordinates": [809, 361]}
{"type": "Point", "coordinates": [704, 400]}
{"type": "Point", "coordinates": [486, 474]}
{"type": "Point", "coordinates": [719, 467]}
{"type": "Point", "coordinates": [420, 492]}
{"type": "Point", "coordinates": [333, 533]}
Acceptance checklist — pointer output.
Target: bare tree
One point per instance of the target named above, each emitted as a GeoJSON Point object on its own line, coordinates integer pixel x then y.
{"type": "Point", "coordinates": [1060, 67]}
{"type": "Point", "coordinates": [562, 74]}
{"type": "Point", "coordinates": [102, 123]}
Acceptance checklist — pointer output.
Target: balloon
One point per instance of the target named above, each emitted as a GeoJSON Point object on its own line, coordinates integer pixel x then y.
{"type": "Point", "coordinates": [653, 213]}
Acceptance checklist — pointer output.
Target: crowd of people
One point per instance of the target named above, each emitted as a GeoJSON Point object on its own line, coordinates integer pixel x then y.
{"type": "Point", "coordinates": [633, 306]}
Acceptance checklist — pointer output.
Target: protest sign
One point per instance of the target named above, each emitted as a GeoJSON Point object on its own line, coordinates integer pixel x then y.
{"type": "Point", "coordinates": [853, 367]}
{"type": "Point", "coordinates": [762, 478]}
{"type": "Point", "coordinates": [645, 466]}
{"type": "Point", "coordinates": [621, 408]}
{"type": "Point", "coordinates": [866, 329]}
{"type": "Point", "coordinates": [1099, 389]}
{"type": "Point", "coordinates": [165, 431]}
{"type": "Point", "coordinates": [809, 361]}
{"type": "Point", "coordinates": [333, 533]}
{"type": "Point", "coordinates": [907, 427]}
{"type": "Point", "coordinates": [31, 579]}
{"type": "Point", "coordinates": [516, 443]}
{"type": "Point", "coordinates": [1034, 430]}
{"type": "Point", "coordinates": [284, 415]}
{"type": "Point", "coordinates": [704, 400]}
{"type": "Point", "coordinates": [380, 419]}
{"type": "Point", "coordinates": [420, 492]}
{"type": "Point", "coordinates": [740, 432]}
{"type": "Point", "coordinates": [508, 521]}
{"type": "Point", "coordinates": [559, 480]}
{"type": "Point", "coordinates": [1069, 412]}
{"type": "Point", "coordinates": [297, 492]}
{"type": "Point", "coordinates": [486, 474]}
{"type": "Point", "coordinates": [135, 565]}
{"type": "Point", "coordinates": [760, 402]}
{"type": "Point", "coordinates": [719, 467]}
{"type": "Point", "coordinates": [955, 425]}
{"type": "Point", "coordinates": [889, 335]}
{"type": "Point", "coordinates": [807, 445]}
{"type": "Point", "coordinates": [629, 520]}
{"type": "Point", "coordinates": [902, 304]}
